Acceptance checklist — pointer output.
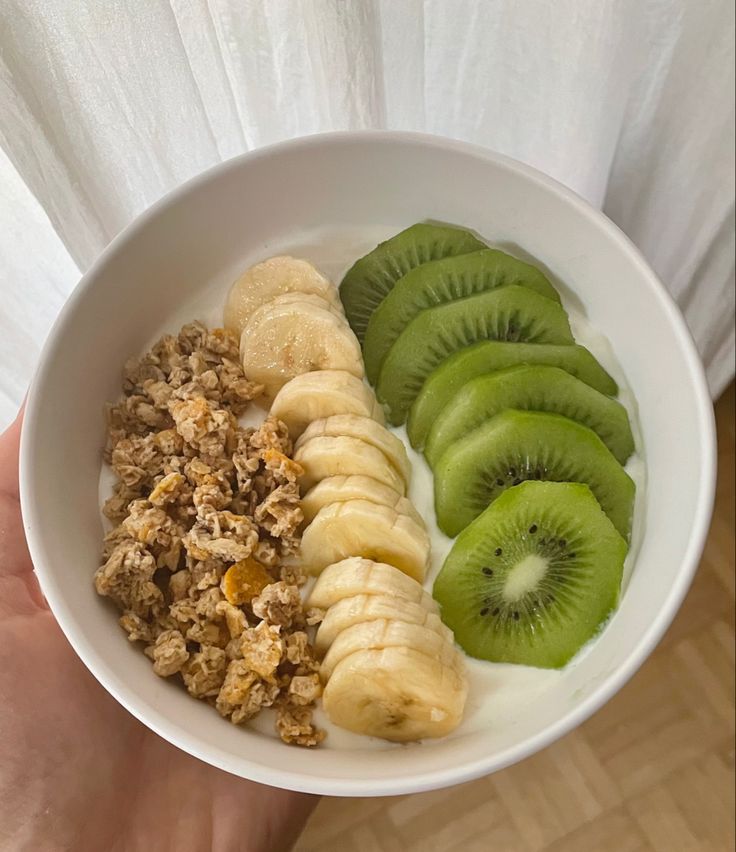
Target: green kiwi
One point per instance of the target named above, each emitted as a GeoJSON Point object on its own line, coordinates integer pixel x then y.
{"type": "Point", "coordinates": [518, 445]}
{"type": "Point", "coordinates": [534, 577]}
{"type": "Point", "coordinates": [371, 278]}
{"type": "Point", "coordinates": [510, 313]}
{"type": "Point", "coordinates": [487, 356]}
{"type": "Point", "coordinates": [443, 281]}
{"type": "Point", "coordinates": [530, 388]}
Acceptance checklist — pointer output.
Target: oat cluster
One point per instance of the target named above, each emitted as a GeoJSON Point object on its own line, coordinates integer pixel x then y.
{"type": "Point", "coordinates": [206, 517]}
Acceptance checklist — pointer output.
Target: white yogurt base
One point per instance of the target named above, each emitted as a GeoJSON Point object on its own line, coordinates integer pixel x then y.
{"type": "Point", "coordinates": [496, 690]}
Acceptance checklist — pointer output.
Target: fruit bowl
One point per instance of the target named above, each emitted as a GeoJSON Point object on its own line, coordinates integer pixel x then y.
{"type": "Point", "coordinates": [329, 199]}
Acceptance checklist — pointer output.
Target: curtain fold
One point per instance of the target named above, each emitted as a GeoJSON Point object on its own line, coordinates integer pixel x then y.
{"type": "Point", "coordinates": [106, 106]}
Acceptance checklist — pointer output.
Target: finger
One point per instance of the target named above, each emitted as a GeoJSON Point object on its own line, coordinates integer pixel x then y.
{"type": "Point", "coordinates": [9, 449]}
{"type": "Point", "coordinates": [15, 561]}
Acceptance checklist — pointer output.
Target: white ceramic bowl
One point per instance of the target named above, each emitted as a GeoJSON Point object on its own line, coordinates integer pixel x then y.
{"type": "Point", "coordinates": [313, 194]}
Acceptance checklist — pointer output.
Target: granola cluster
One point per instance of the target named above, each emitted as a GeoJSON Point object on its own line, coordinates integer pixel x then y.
{"type": "Point", "coordinates": [206, 516]}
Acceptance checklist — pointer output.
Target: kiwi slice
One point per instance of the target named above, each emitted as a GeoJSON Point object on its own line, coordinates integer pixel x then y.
{"type": "Point", "coordinates": [518, 445]}
{"type": "Point", "coordinates": [510, 313]}
{"type": "Point", "coordinates": [487, 356]}
{"type": "Point", "coordinates": [371, 278]}
{"type": "Point", "coordinates": [534, 577]}
{"type": "Point", "coordinates": [443, 281]}
{"type": "Point", "coordinates": [530, 388]}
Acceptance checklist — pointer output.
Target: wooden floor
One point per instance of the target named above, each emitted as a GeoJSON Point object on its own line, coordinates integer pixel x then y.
{"type": "Point", "coordinates": [653, 770]}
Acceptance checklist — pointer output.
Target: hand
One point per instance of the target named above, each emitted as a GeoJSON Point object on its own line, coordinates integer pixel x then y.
{"type": "Point", "coordinates": [77, 772]}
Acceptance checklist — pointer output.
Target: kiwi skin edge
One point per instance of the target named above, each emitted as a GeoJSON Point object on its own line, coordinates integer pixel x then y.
{"type": "Point", "coordinates": [489, 356]}
{"type": "Point", "coordinates": [439, 281]}
{"type": "Point", "coordinates": [372, 277]}
{"type": "Point", "coordinates": [530, 388]}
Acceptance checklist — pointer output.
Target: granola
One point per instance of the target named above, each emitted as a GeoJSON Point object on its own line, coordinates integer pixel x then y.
{"type": "Point", "coordinates": [206, 516]}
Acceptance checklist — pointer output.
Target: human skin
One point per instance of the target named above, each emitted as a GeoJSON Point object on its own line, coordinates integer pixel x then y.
{"type": "Point", "coordinates": [77, 771]}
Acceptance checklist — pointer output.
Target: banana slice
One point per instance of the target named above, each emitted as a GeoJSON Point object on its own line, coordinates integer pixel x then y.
{"type": "Point", "coordinates": [271, 278]}
{"type": "Point", "coordinates": [387, 633]}
{"type": "Point", "coordinates": [338, 489]}
{"type": "Point", "coordinates": [324, 456]}
{"type": "Point", "coordinates": [322, 393]}
{"type": "Point", "coordinates": [365, 428]}
{"type": "Point", "coordinates": [308, 299]}
{"type": "Point", "coordinates": [360, 608]}
{"type": "Point", "coordinates": [362, 528]}
{"type": "Point", "coordinates": [293, 335]}
{"type": "Point", "coordinates": [358, 576]}
{"type": "Point", "coordinates": [396, 693]}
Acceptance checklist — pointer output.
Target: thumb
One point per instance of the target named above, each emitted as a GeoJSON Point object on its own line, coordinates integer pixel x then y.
{"type": "Point", "coordinates": [9, 449]}
{"type": "Point", "coordinates": [15, 560]}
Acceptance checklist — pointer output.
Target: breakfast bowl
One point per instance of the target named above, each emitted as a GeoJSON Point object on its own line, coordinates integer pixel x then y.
{"type": "Point", "coordinates": [329, 199]}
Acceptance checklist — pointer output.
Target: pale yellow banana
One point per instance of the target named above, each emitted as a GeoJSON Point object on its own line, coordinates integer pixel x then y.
{"type": "Point", "coordinates": [322, 393]}
{"type": "Point", "coordinates": [271, 278]}
{"type": "Point", "coordinates": [358, 576]}
{"type": "Point", "coordinates": [325, 456]}
{"type": "Point", "coordinates": [389, 633]}
{"type": "Point", "coordinates": [362, 528]}
{"type": "Point", "coordinates": [295, 334]}
{"type": "Point", "coordinates": [360, 608]}
{"type": "Point", "coordinates": [398, 694]}
{"type": "Point", "coordinates": [368, 430]}
{"type": "Point", "coordinates": [338, 489]}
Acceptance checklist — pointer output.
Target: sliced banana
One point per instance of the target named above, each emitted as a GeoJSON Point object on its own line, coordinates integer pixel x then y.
{"type": "Point", "coordinates": [358, 576]}
{"type": "Point", "coordinates": [308, 299]}
{"type": "Point", "coordinates": [388, 633]}
{"type": "Point", "coordinates": [293, 335]}
{"type": "Point", "coordinates": [322, 393]}
{"type": "Point", "coordinates": [362, 528]}
{"type": "Point", "coordinates": [338, 489]}
{"type": "Point", "coordinates": [271, 278]}
{"type": "Point", "coordinates": [367, 430]}
{"type": "Point", "coordinates": [325, 456]}
{"type": "Point", "coordinates": [360, 608]}
{"type": "Point", "coordinates": [396, 693]}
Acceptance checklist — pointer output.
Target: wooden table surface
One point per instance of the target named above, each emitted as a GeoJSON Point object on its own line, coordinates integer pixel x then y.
{"type": "Point", "coordinates": [652, 770]}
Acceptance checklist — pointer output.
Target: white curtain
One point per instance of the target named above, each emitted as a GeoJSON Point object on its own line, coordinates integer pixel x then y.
{"type": "Point", "coordinates": [107, 104]}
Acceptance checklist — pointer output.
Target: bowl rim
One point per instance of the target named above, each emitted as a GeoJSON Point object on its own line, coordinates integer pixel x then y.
{"type": "Point", "coordinates": [423, 780]}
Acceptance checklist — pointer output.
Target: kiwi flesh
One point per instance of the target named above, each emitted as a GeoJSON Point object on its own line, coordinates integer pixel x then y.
{"type": "Point", "coordinates": [511, 313]}
{"type": "Point", "coordinates": [534, 577]}
{"type": "Point", "coordinates": [516, 446]}
{"type": "Point", "coordinates": [530, 388]}
{"type": "Point", "coordinates": [485, 357]}
{"type": "Point", "coordinates": [443, 281]}
{"type": "Point", "coordinates": [372, 277]}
